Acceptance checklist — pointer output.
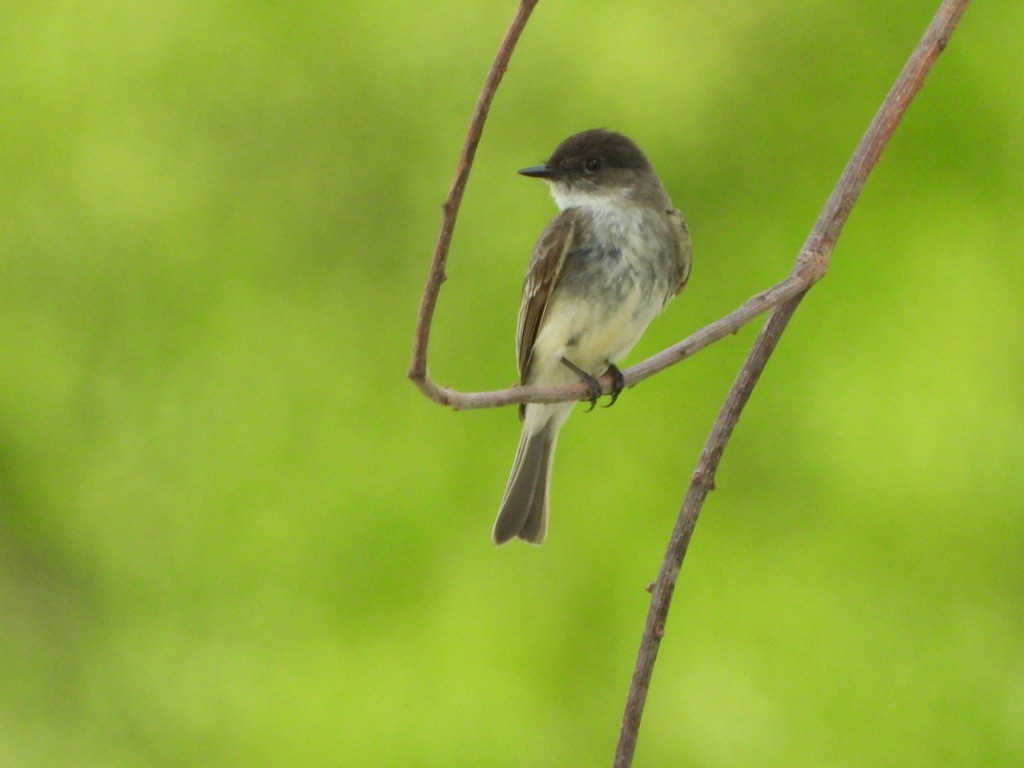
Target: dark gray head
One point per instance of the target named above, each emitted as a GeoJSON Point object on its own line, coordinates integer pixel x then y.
{"type": "Point", "coordinates": [595, 162]}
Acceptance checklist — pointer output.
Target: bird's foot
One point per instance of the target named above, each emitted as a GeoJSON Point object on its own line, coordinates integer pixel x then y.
{"type": "Point", "coordinates": [618, 383]}
{"type": "Point", "coordinates": [593, 384]}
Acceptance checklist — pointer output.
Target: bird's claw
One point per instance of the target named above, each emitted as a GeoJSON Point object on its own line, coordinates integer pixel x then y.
{"type": "Point", "coordinates": [618, 383]}
{"type": "Point", "coordinates": [593, 384]}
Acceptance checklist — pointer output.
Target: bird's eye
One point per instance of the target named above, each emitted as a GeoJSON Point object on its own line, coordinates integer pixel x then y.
{"type": "Point", "coordinates": [592, 164]}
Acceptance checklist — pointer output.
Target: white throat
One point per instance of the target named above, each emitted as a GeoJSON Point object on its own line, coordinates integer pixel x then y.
{"type": "Point", "coordinates": [604, 202]}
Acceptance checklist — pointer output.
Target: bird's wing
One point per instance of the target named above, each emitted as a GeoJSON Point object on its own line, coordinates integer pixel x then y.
{"type": "Point", "coordinates": [682, 233]}
{"type": "Point", "coordinates": [544, 271]}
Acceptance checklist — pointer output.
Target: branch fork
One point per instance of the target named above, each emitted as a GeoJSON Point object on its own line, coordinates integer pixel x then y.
{"type": "Point", "coordinates": [781, 299]}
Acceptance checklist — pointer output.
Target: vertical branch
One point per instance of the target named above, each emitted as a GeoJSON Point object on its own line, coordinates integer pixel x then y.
{"type": "Point", "coordinates": [815, 254]}
{"type": "Point", "coordinates": [436, 276]}
{"type": "Point", "coordinates": [701, 483]}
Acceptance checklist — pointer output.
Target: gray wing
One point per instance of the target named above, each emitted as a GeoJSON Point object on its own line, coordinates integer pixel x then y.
{"type": "Point", "coordinates": [544, 271]}
{"type": "Point", "coordinates": [682, 233]}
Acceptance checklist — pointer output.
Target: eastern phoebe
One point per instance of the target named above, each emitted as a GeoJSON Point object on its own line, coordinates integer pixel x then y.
{"type": "Point", "coordinates": [600, 272]}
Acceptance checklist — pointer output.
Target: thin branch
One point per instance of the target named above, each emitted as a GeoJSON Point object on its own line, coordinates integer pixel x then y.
{"type": "Point", "coordinates": [818, 248]}
{"type": "Point", "coordinates": [418, 369]}
{"type": "Point", "coordinates": [796, 283]}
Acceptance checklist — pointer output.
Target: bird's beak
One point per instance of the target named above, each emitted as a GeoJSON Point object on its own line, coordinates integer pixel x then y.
{"type": "Point", "coordinates": [539, 172]}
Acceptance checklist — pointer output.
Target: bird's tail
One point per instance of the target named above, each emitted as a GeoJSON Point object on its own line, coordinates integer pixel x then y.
{"type": "Point", "coordinates": [524, 509]}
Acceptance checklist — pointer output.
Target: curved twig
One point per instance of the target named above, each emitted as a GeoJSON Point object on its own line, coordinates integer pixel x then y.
{"type": "Point", "coordinates": [418, 369]}
{"type": "Point", "coordinates": [801, 278]}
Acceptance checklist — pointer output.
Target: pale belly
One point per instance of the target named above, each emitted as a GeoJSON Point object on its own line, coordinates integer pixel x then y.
{"type": "Point", "coordinates": [591, 334]}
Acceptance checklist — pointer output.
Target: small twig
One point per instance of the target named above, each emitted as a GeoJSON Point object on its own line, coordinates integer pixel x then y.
{"type": "Point", "coordinates": [418, 369]}
{"type": "Point", "coordinates": [818, 248]}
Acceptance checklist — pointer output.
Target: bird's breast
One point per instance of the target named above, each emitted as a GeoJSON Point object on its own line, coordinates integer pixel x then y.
{"type": "Point", "coordinates": [614, 281]}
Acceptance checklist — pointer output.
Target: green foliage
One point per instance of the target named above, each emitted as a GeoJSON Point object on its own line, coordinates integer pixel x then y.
{"type": "Point", "coordinates": [231, 533]}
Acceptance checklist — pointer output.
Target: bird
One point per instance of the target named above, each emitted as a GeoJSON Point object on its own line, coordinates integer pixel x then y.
{"type": "Point", "coordinates": [601, 270]}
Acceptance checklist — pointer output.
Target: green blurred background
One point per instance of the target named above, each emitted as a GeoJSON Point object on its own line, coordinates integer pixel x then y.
{"type": "Point", "coordinates": [233, 534]}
